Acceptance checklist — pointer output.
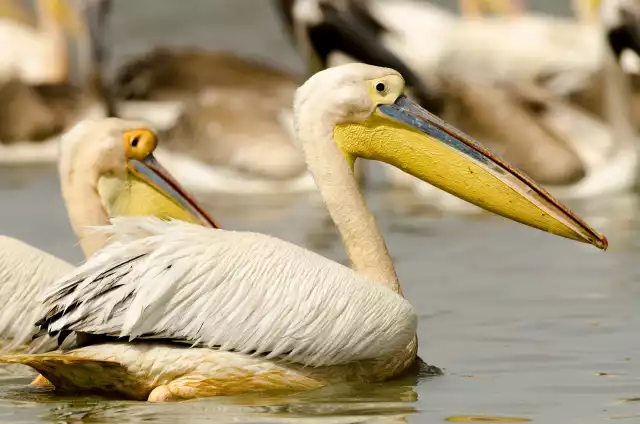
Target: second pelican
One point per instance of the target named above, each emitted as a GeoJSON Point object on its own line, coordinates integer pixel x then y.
{"type": "Point", "coordinates": [107, 168]}
{"type": "Point", "coordinates": [170, 310]}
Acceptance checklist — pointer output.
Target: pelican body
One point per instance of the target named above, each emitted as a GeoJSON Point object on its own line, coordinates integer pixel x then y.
{"type": "Point", "coordinates": [170, 310]}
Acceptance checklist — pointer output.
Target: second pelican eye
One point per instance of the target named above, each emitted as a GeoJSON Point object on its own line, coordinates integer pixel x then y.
{"type": "Point", "coordinates": [139, 143]}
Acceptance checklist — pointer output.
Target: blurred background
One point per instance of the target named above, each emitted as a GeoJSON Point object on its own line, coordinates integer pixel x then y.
{"type": "Point", "coordinates": [223, 25]}
{"type": "Point", "coordinates": [526, 325]}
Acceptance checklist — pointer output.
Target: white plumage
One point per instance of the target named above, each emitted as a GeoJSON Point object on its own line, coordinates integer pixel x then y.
{"type": "Point", "coordinates": [258, 295]}
{"type": "Point", "coordinates": [25, 272]}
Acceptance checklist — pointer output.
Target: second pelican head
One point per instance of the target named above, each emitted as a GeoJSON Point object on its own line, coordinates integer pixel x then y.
{"type": "Point", "coordinates": [365, 112]}
{"type": "Point", "coordinates": [111, 160]}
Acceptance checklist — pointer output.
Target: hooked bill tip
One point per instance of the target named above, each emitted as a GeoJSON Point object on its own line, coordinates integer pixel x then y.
{"type": "Point", "coordinates": [605, 243]}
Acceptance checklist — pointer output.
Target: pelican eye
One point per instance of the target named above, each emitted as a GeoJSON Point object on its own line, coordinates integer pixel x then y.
{"type": "Point", "coordinates": [139, 143]}
{"type": "Point", "coordinates": [380, 87]}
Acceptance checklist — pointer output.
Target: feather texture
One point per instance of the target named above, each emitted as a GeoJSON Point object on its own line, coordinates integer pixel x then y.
{"type": "Point", "coordinates": [25, 273]}
{"type": "Point", "coordinates": [235, 291]}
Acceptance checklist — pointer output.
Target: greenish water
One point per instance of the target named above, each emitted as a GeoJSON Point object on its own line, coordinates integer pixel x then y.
{"type": "Point", "coordinates": [524, 324]}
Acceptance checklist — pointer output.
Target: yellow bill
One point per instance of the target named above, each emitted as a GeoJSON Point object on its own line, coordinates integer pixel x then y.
{"type": "Point", "coordinates": [405, 135]}
{"type": "Point", "coordinates": [148, 189]}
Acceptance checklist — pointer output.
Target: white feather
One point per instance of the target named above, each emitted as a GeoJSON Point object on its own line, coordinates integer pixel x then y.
{"type": "Point", "coordinates": [237, 291]}
{"type": "Point", "coordinates": [25, 272]}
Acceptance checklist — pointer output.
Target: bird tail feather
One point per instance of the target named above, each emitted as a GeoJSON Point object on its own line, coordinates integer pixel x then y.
{"type": "Point", "coordinates": [75, 374]}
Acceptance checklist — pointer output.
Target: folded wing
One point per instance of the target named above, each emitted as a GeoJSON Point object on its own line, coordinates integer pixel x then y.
{"type": "Point", "coordinates": [233, 291]}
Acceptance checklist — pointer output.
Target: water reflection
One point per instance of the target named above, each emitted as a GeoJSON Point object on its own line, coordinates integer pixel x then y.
{"type": "Point", "coordinates": [391, 402]}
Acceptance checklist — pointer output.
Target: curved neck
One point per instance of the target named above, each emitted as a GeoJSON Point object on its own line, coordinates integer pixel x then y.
{"type": "Point", "coordinates": [54, 37]}
{"type": "Point", "coordinates": [335, 180]}
{"type": "Point", "coordinates": [84, 206]}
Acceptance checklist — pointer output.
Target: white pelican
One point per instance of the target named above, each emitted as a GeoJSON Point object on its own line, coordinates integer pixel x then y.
{"type": "Point", "coordinates": [102, 174]}
{"type": "Point", "coordinates": [170, 310]}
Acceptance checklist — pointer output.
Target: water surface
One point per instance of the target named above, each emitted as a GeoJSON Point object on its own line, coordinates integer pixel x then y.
{"type": "Point", "coordinates": [524, 324]}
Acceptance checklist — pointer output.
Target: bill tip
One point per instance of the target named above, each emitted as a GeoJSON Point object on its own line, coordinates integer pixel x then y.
{"type": "Point", "coordinates": [604, 243]}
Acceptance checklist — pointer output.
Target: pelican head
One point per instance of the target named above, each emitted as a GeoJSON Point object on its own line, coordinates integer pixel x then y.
{"type": "Point", "coordinates": [111, 160]}
{"type": "Point", "coordinates": [363, 111]}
